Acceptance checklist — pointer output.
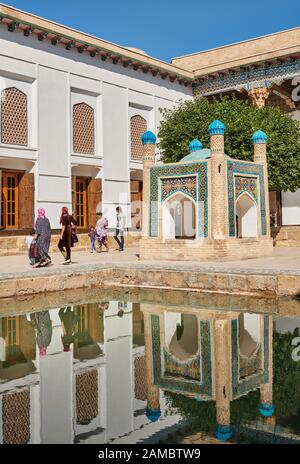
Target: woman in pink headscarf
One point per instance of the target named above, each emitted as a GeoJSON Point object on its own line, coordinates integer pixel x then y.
{"type": "Point", "coordinates": [43, 238]}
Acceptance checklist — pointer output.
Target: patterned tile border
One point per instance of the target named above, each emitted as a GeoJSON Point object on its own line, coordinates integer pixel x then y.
{"type": "Point", "coordinates": [264, 76]}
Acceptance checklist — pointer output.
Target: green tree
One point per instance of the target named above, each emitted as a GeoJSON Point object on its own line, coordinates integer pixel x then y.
{"type": "Point", "coordinates": [191, 119]}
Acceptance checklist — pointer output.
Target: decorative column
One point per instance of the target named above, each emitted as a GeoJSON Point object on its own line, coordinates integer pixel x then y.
{"type": "Point", "coordinates": [223, 379]}
{"type": "Point", "coordinates": [153, 411]}
{"type": "Point", "coordinates": [266, 407]}
{"type": "Point", "coordinates": [259, 96]}
{"type": "Point", "coordinates": [148, 141]}
{"type": "Point", "coordinates": [218, 181]}
{"type": "Point", "coordinates": [259, 139]}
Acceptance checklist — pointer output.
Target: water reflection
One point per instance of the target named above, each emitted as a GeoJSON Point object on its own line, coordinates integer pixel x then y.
{"type": "Point", "coordinates": [126, 371]}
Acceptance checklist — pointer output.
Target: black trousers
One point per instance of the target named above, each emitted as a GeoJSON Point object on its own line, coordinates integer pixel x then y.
{"type": "Point", "coordinates": [120, 241]}
{"type": "Point", "coordinates": [64, 249]}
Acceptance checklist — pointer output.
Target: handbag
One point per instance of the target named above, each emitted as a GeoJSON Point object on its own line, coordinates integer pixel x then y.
{"type": "Point", "coordinates": [74, 236]}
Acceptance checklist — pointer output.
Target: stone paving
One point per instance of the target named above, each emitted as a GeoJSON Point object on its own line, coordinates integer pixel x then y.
{"type": "Point", "coordinates": [285, 261]}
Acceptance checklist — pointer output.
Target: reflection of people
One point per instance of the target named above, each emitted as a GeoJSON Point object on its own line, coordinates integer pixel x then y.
{"type": "Point", "coordinates": [70, 322]}
{"type": "Point", "coordinates": [103, 305]}
{"type": "Point", "coordinates": [101, 231]}
{"type": "Point", "coordinates": [42, 324]}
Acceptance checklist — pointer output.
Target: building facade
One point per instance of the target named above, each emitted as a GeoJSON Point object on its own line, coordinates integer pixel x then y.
{"type": "Point", "coordinates": [74, 107]}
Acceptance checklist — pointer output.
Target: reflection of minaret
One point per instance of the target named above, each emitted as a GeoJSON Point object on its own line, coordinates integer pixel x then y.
{"type": "Point", "coordinates": [266, 407]}
{"type": "Point", "coordinates": [223, 378]}
{"type": "Point", "coordinates": [153, 395]}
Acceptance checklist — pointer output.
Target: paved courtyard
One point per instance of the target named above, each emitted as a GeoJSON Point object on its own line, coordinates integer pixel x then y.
{"type": "Point", "coordinates": [284, 261]}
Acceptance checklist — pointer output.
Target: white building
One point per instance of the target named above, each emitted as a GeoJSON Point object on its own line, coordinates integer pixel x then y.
{"type": "Point", "coordinates": [73, 109]}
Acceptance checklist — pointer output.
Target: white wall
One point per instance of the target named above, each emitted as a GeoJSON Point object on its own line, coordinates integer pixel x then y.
{"type": "Point", "coordinates": [290, 208]}
{"type": "Point", "coordinates": [52, 72]}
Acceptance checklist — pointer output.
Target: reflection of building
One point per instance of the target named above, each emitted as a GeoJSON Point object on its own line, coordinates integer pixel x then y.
{"type": "Point", "coordinates": [90, 387]}
{"type": "Point", "coordinates": [18, 380]}
{"type": "Point", "coordinates": [208, 356]}
{"type": "Point", "coordinates": [207, 206]}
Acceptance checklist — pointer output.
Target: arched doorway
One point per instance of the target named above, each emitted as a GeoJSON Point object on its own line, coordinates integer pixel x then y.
{"type": "Point", "coordinates": [246, 216]}
{"type": "Point", "coordinates": [181, 335]}
{"type": "Point", "coordinates": [179, 217]}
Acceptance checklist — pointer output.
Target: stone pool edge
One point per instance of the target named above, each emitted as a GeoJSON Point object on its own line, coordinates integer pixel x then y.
{"type": "Point", "coordinates": [257, 282]}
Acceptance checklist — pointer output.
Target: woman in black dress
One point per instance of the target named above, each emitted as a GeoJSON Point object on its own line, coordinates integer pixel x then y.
{"type": "Point", "coordinates": [43, 238]}
{"type": "Point", "coordinates": [66, 240]}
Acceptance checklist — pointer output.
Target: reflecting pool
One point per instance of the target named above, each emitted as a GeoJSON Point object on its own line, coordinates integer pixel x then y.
{"type": "Point", "coordinates": [119, 366]}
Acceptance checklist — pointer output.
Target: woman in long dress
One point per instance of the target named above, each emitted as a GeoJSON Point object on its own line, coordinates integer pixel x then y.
{"type": "Point", "coordinates": [43, 238]}
{"type": "Point", "coordinates": [66, 240]}
{"type": "Point", "coordinates": [42, 324]}
{"type": "Point", "coordinates": [101, 231]}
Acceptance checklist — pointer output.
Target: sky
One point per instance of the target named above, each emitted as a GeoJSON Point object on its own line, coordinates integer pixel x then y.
{"type": "Point", "coordinates": [169, 28]}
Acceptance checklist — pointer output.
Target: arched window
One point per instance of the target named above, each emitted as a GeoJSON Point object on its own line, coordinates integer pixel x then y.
{"type": "Point", "coordinates": [83, 129]}
{"type": "Point", "coordinates": [138, 125]}
{"type": "Point", "coordinates": [14, 118]}
{"type": "Point", "coordinates": [181, 335]}
{"type": "Point", "coordinates": [86, 396]}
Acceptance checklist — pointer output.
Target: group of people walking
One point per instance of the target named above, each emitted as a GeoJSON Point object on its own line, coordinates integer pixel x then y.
{"type": "Point", "coordinates": [38, 241]}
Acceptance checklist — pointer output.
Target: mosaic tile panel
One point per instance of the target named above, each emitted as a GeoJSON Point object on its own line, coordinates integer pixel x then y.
{"type": "Point", "coordinates": [242, 386]}
{"type": "Point", "coordinates": [246, 184]}
{"type": "Point", "coordinates": [186, 185]}
{"type": "Point", "coordinates": [180, 172]}
{"type": "Point", "coordinates": [187, 369]}
{"type": "Point", "coordinates": [236, 168]}
{"type": "Point", "coordinates": [180, 384]}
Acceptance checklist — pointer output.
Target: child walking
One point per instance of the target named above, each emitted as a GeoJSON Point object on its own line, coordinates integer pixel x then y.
{"type": "Point", "coordinates": [32, 247]}
{"type": "Point", "coordinates": [92, 235]}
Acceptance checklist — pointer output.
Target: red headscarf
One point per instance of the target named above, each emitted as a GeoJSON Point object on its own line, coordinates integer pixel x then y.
{"type": "Point", "coordinates": [64, 211]}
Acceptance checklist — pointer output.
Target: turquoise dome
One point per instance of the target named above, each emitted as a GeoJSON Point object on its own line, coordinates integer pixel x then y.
{"type": "Point", "coordinates": [195, 145]}
{"type": "Point", "coordinates": [216, 128]}
{"type": "Point", "coordinates": [199, 155]}
{"type": "Point", "coordinates": [148, 138]}
{"type": "Point", "coordinates": [153, 414]}
{"type": "Point", "coordinates": [259, 137]}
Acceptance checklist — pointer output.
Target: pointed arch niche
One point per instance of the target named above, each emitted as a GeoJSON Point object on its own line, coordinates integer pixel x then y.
{"type": "Point", "coordinates": [246, 216]}
{"type": "Point", "coordinates": [178, 214]}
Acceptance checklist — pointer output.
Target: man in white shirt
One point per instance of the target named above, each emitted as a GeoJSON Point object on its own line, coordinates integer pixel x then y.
{"type": "Point", "coordinates": [120, 227]}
